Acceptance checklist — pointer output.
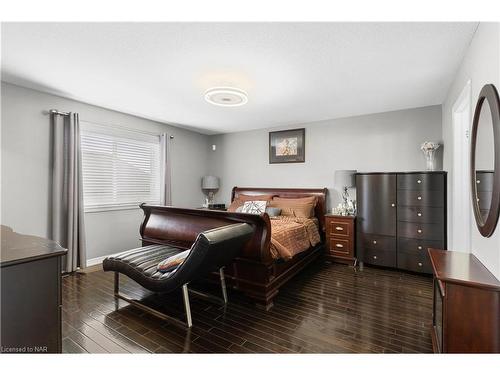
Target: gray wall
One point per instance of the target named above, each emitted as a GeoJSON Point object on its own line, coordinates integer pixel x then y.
{"type": "Point", "coordinates": [481, 65]}
{"type": "Point", "coordinates": [26, 168]}
{"type": "Point", "coordinates": [380, 142]}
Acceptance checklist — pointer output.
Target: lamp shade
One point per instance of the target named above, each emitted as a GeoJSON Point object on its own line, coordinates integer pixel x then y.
{"type": "Point", "coordinates": [210, 182]}
{"type": "Point", "coordinates": [345, 178]}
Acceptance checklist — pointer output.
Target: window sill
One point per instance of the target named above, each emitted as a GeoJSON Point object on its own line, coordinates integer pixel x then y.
{"type": "Point", "coordinates": [114, 208]}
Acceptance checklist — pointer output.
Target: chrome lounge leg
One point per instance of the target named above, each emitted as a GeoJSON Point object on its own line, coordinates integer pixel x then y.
{"type": "Point", "coordinates": [185, 296]}
{"type": "Point", "coordinates": [223, 284]}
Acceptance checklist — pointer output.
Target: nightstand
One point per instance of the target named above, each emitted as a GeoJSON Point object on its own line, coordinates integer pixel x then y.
{"type": "Point", "coordinates": [340, 238]}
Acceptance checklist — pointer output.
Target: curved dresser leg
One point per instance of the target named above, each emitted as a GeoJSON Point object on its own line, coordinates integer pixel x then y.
{"type": "Point", "coordinates": [187, 307]}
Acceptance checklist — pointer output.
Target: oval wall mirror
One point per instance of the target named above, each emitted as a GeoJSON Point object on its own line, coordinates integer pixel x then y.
{"type": "Point", "coordinates": [485, 160]}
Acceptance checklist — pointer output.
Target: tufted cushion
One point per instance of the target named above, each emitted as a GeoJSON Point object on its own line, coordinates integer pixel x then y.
{"type": "Point", "coordinates": [142, 263]}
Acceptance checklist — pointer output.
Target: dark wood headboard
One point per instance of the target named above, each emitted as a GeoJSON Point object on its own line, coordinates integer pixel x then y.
{"type": "Point", "coordinates": [319, 211]}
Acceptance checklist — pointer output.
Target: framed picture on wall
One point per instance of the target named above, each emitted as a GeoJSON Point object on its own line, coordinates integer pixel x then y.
{"type": "Point", "coordinates": [287, 146]}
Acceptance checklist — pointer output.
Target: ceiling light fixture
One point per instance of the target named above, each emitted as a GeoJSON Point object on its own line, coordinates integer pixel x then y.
{"type": "Point", "coordinates": [226, 96]}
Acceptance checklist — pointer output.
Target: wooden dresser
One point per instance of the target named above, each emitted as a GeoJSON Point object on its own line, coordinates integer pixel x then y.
{"type": "Point", "coordinates": [466, 313]}
{"type": "Point", "coordinates": [30, 294]}
{"type": "Point", "coordinates": [340, 238]}
{"type": "Point", "coordinates": [400, 215]}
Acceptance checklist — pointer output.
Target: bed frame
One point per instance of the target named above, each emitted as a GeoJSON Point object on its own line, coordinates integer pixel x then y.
{"type": "Point", "coordinates": [254, 272]}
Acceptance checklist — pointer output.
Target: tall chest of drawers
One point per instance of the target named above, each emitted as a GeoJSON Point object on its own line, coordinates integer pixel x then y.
{"type": "Point", "coordinates": [400, 215]}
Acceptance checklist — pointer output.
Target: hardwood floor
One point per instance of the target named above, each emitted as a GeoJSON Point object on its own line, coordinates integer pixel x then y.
{"type": "Point", "coordinates": [328, 308]}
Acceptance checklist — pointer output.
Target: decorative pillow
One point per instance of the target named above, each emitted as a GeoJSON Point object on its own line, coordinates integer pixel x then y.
{"type": "Point", "coordinates": [171, 263]}
{"type": "Point", "coordinates": [273, 211]}
{"type": "Point", "coordinates": [254, 207]}
{"type": "Point", "coordinates": [298, 207]}
{"type": "Point", "coordinates": [242, 198]}
{"type": "Point", "coordinates": [233, 207]}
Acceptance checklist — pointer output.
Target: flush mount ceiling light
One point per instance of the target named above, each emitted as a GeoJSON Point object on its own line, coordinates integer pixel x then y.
{"type": "Point", "coordinates": [226, 96]}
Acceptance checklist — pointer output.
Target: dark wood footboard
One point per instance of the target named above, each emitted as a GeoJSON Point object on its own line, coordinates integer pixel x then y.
{"type": "Point", "coordinates": [254, 272]}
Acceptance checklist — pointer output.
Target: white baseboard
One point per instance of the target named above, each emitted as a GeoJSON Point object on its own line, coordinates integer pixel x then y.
{"type": "Point", "coordinates": [98, 260]}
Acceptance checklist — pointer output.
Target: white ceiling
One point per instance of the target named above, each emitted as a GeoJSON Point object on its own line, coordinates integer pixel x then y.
{"type": "Point", "coordinates": [293, 72]}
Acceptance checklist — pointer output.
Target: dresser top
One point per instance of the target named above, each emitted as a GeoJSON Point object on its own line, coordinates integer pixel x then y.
{"type": "Point", "coordinates": [405, 172]}
{"type": "Point", "coordinates": [462, 268]}
{"type": "Point", "coordinates": [20, 248]}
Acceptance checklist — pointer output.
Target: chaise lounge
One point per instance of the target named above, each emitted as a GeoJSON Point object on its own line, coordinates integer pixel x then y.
{"type": "Point", "coordinates": [212, 250]}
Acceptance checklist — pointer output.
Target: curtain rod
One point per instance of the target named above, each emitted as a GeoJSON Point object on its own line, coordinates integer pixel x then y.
{"type": "Point", "coordinates": [60, 113]}
{"type": "Point", "coordinates": [56, 112]}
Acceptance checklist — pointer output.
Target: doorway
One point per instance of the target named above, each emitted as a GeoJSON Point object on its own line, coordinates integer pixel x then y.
{"type": "Point", "coordinates": [461, 208]}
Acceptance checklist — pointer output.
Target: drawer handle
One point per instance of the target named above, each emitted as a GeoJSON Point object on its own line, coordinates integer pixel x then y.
{"type": "Point", "coordinates": [393, 205]}
{"type": "Point", "coordinates": [339, 228]}
{"type": "Point", "coordinates": [419, 198]}
{"type": "Point", "coordinates": [420, 247]}
{"type": "Point", "coordinates": [339, 245]}
{"type": "Point", "coordinates": [419, 264]}
{"type": "Point", "coordinates": [419, 181]}
{"type": "Point", "coordinates": [374, 242]}
{"type": "Point", "coordinates": [478, 181]}
{"type": "Point", "coordinates": [419, 214]}
{"type": "Point", "coordinates": [419, 230]}
{"type": "Point", "coordinates": [374, 257]}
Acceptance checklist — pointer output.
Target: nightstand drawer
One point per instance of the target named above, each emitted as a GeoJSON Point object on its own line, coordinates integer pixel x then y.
{"type": "Point", "coordinates": [339, 246]}
{"type": "Point", "coordinates": [339, 228]}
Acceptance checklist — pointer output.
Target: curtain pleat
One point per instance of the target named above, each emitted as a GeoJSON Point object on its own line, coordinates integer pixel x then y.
{"type": "Point", "coordinates": [166, 187]}
{"type": "Point", "coordinates": [67, 190]}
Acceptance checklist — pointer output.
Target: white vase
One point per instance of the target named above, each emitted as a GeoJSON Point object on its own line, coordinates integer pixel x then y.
{"type": "Point", "coordinates": [430, 158]}
{"type": "Point", "coordinates": [429, 150]}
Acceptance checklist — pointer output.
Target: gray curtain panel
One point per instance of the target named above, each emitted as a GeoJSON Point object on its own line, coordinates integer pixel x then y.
{"type": "Point", "coordinates": [166, 187]}
{"type": "Point", "coordinates": [67, 190]}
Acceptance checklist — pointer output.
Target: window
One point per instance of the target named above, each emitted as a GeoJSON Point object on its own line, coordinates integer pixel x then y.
{"type": "Point", "coordinates": [121, 168]}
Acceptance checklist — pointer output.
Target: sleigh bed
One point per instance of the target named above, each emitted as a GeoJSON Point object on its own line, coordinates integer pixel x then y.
{"type": "Point", "coordinates": [256, 272]}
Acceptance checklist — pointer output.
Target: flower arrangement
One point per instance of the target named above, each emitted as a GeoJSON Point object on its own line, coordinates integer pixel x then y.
{"type": "Point", "coordinates": [429, 148]}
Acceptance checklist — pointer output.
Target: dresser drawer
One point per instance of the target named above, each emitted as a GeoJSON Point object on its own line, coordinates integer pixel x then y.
{"type": "Point", "coordinates": [421, 231]}
{"type": "Point", "coordinates": [414, 262]}
{"type": "Point", "coordinates": [340, 246]}
{"type": "Point", "coordinates": [379, 257]}
{"type": "Point", "coordinates": [416, 246]}
{"type": "Point", "coordinates": [373, 241]}
{"type": "Point", "coordinates": [484, 199]}
{"type": "Point", "coordinates": [420, 198]}
{"type": "Point", "coordinates": [340, 228]}
{"type": "Point", "coordinates": [484, 181]}
{"type": "Point", "coordinates": [421, 181]}
{"type": "Point", "coordinates": [421, 214]}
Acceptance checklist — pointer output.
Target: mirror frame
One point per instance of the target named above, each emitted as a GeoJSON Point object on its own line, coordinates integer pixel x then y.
{"type": "Point", "coordinates": [486, 227]}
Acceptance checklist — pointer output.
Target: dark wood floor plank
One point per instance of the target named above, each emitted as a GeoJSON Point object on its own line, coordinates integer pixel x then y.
{"type": "Point", "coordinates": [71, 347]}
{"type": "Point", "coordinates": [328, 308]}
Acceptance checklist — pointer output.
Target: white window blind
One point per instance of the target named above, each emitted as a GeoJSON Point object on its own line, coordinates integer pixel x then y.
{"type": "Point", "coordinates": [121, 168]}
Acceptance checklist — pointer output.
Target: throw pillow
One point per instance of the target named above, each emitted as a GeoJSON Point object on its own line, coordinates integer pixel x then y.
{"type": "Point", "coordinates": [273, 211]}
{"type": "Point", "coordinates": [240, 200]}
{"type": "Point", "coordinates": [254, 207]}
{"type": "Point", "coordinates": [172, 262]}
{"type": "Point", "coordinates": [298, 207]}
